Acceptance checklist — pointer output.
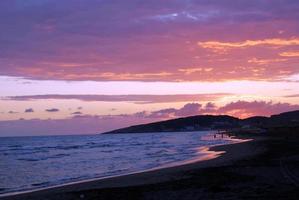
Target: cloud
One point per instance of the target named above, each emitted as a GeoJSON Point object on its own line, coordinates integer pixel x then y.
{"type": "Point", "coordinates": [90, 124]}
{"type": "Point", "coordinates": [12, 112]}
{"type": "Point", "coordinates": [249, 43]}
{"type": "Point", "coordinates": [29, 110]}
{"type": "Point", "coordinates": [290, 54]}
{"type": "Point", "coordinates": [52, 110]}
{"type": "Point", "coordinates": [188, 109]}
{"type": "Point", "coordinates": [140, 99]}
{"type": "Point", "coordinates": [127, 76]}
{"type": "Point", "coordinates": [210, 107]}
{"type": "Point", "coordinates": [240, 109]}
{"type": "Point", "coordinates": [64, 43]}
{"type": "Point", "coordinates": [185, 16]}
{"type": "Point", "coordinates": [246, 109]}
{"type": "Point", "coordinates": [265, 61]}
{"type": "Point", "coordinates": [196, 69]}
{"type": "Point", "coordinates": [164, 113]}
{"type": "Point", "coordinates": [77, 113]}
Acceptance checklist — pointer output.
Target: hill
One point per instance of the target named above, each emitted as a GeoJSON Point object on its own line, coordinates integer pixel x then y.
{"type": "Point", "coordinates": [285, 119]}
{"type": "Point", "coordinates": [193, 123]}
{"type": "Point", "coordinates": [208, 122]}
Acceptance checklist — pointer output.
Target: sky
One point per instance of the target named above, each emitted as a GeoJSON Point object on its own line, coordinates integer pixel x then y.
{"type": "Point", "coordinates": [90, 66]}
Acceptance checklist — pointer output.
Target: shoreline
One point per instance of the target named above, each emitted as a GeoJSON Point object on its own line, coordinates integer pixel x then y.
{"type": "Point", "coordinates": [207, 152]}
{"type": "Point", "coordinates": [222, 155]}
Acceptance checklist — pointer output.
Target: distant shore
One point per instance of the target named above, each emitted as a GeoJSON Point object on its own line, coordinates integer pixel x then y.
{"type": "Point", "coordinates": [233, 152]}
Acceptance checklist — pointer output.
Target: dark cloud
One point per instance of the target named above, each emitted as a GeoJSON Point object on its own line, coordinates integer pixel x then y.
{"type": "Point", "coordinates": [210, 107]}
{"type": "Point", "coordinates": [52, 110]}
{"type": "Point", "coordinates": [77, 113]}
{"type": "Point", "coordinates": [29, 110]}
{"type": "Point", "coordinates": [12, 112]}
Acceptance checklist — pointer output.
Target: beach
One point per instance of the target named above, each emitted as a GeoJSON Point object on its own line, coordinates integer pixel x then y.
{"type": "Point", "coordinates": [149, 100]}
{"type": "Point", "coordinates": [240, 172]}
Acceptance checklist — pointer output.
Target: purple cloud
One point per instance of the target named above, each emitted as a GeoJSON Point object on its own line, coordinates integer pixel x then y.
{"type": "Point", "coordinates": [29, 110]}
{"type": "Point", "coordinates": [189, 109]}
{"type": "Point", "coordinates": [98, 45]}
{"type": "Point", "coordinates": [12, 112]}
{"type": "Point", "coordinates": [241, 109]}
{"type": "Point", "coordinates": [77, 113]}
{"type": "Point", "coordinates": [52, 110]}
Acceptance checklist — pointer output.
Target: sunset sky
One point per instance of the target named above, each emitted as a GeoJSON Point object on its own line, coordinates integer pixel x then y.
{"type": "Point", "coordinates": [88, 66]}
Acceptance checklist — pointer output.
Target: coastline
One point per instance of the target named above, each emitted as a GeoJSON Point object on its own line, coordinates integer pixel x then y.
{"type": "Point", "coordinates": [223, 155]}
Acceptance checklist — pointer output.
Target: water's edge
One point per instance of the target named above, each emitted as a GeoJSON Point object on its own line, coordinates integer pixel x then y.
{"type": "Point", "coordinates": [206, 154]}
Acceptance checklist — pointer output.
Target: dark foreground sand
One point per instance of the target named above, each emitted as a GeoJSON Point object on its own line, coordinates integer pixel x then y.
{"type": "Point", "coordinates": [265, 168]}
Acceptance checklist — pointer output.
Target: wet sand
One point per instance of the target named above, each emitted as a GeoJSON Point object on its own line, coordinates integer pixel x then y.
{"type": "Point", "coordinates": [264, 168]}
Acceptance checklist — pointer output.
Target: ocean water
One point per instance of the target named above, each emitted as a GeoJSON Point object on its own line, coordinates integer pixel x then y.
{"type": "Point", "coordinates": [28, 163]}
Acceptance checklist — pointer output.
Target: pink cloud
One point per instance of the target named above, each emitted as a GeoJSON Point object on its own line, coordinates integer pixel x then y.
{"type": "Point", "coordinates": [152, 41]}
{"type": "Point", "coordinates": [89, 124]}
{"type": "Point", "coordinates": [246, 109]}
{"type": "Point", "coordinates": [189, 109]}
{"type": "Point", "coordinates": [240, 109]}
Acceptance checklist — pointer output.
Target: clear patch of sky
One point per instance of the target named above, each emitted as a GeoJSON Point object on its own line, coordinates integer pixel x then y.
{"type": "Point", "coordinates": [17, 86]}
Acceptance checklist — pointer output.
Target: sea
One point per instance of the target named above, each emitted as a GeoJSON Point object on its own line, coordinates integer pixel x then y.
{"type": "Point", "coordinates": [30, 163]}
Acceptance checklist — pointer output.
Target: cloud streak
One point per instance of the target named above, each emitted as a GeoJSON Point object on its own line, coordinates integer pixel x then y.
{"type": "Point", "coordinates": [278, 42]}
{"type": "Point", "coordinates": [52, 110]}
{"type": "Point", "coordinates": [290, 54]}
{"type": "Point", "coordinates": [292, 96]}
{"type": "Point", "coordinates": [140, 99]}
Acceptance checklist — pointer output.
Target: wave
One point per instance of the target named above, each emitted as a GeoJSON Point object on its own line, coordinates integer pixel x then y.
{"type": "Point", "coordinates": [43, 162]}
